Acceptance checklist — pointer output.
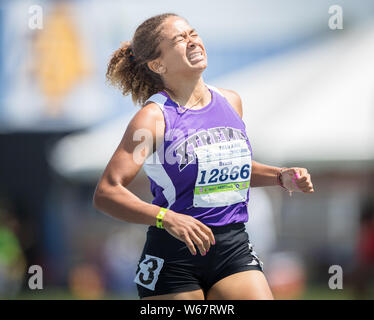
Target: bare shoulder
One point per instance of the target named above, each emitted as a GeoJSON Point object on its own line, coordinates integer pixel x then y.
{"type": "Point", "coordinates": [150, 112]}
{"type": "Point", "coordinates": [234, 99]}
{"type": "Point", "coordinates": [147, 123]}
{"type": "Point", "coordinates": [147, 117]}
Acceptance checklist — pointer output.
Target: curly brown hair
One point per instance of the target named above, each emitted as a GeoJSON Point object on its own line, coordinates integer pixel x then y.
{"type": "Point", "coordinates": [128, 69]}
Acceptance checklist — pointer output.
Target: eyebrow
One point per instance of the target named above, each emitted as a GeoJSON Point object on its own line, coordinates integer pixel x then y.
{"type": "Point", "coordinates": [181, 34]}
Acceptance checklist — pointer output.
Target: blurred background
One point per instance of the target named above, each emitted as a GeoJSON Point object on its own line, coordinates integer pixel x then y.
{"type": "Point", "coordinates": [308, 98]}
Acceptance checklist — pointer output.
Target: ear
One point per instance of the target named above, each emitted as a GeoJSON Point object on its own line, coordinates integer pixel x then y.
{"type": "Point", "coordinates": [156, 66]}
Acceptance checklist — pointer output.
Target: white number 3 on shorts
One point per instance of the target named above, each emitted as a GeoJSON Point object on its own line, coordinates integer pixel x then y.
{"type": "Point", "coordinates": [150, 268]}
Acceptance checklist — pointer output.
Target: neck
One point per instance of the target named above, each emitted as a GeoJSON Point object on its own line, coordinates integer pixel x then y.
{"type": "Point", "coordinates": [188, 92]}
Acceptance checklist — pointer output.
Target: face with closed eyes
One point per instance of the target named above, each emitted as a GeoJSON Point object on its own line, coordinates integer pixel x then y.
{"type": "Point", "coordinates": [182, 50]}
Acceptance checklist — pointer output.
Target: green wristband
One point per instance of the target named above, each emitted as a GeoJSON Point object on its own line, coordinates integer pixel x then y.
{"type": "Point", "coordinates": [160, 218]}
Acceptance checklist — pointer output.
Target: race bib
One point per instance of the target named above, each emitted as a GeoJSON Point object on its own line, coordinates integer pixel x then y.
{"type": "Point", "coordinates": [148, 271]}
{"type": "Point", "coordinates": [224, 174]}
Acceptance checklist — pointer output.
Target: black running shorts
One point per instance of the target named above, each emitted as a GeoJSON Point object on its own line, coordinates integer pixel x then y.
{"type": "Point", "coordinates": [167, 266]}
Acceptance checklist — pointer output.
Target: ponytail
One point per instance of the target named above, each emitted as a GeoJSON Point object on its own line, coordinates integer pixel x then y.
{"type": "Point", "coordinates": [128, 69]}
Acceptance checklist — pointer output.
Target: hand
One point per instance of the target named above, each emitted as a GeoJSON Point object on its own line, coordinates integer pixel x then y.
{"type": "Point", "coordinates": [297, 180]}
{"type": "Point", "coordinates": [189, 230]}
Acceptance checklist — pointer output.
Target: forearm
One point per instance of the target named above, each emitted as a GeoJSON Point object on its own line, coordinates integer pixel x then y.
{"type": "Point", "coordinates": [120, 203]}
{"type": "Point", "coordinates": [263, 175]}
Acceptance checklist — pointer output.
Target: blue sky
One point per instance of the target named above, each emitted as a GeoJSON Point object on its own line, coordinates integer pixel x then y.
{"type": "Point", "coordinates": [236, 34]}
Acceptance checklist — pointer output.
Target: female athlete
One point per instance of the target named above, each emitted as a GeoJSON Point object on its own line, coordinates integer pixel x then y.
{"type": "Point", "coordinates": [192, 143]}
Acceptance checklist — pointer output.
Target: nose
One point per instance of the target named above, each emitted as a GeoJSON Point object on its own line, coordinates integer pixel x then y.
{"type": "Point", "coordinates": [192, 42]}
{"type": "Point", "coordinates": [191, 45]}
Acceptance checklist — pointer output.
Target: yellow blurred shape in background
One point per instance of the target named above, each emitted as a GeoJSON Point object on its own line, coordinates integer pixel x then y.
{"type": "Point", "coordinates": [59, 61]}
{"type": "Point", "coordinates": [85, 282]}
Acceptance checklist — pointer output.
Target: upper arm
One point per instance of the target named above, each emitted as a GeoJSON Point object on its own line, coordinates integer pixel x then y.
{"type": "Point", "coordinates": [144, 132]}
{"type": "Point", "coordinates": [234, 99]}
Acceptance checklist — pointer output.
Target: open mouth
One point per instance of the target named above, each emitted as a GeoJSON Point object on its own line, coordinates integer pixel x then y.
{"type": "Point", "coordinates": [196, 56]}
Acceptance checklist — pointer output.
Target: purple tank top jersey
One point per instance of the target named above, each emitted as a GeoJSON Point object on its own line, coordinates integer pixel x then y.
{"type": "Point", "coordinates": [203, 168]}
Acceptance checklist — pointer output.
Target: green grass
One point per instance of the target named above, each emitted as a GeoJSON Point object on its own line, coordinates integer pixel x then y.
{"type": "Point", "coordinates": [313, 292]}
{"type": "Point", "coordinates": [320, 292]}
{"type": "Point", "coordinates": [63, 294]}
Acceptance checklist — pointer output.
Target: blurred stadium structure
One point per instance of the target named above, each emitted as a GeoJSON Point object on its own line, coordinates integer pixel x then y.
{"type": "Point", "coordinates": [308, 99]}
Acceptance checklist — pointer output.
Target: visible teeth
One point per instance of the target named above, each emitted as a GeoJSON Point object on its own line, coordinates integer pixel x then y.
{"type": "Point", "coordinates": [195, 55]}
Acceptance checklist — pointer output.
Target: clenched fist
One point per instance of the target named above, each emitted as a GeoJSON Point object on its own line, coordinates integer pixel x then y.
{"type": "Point", "coordinates": [297, 180]}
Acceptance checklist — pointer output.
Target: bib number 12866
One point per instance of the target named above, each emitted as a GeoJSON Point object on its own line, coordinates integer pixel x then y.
{"type": "Point", "coordinates": [220, 175]}
{"type": "Point", "coordinates": [224, 172]}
